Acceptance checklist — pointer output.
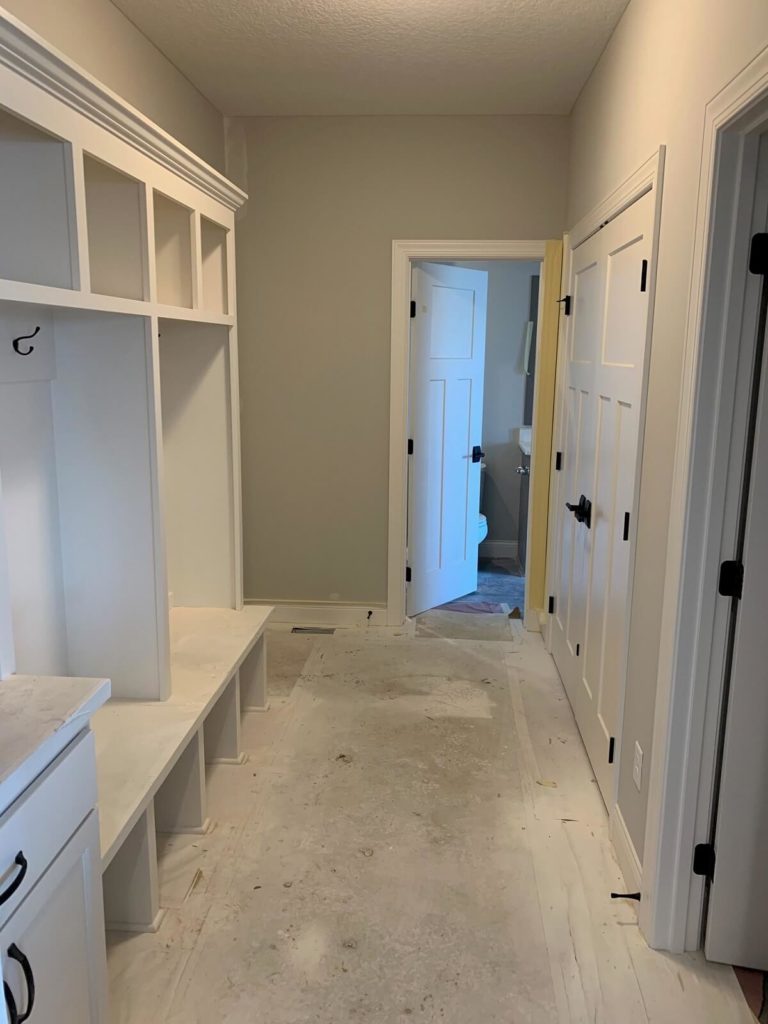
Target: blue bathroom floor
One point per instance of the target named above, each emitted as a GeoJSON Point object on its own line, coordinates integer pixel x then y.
{"type": "Point", "coordinates": [500, 588]}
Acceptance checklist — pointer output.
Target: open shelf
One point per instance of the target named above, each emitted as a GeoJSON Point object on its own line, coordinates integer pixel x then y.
{"type": "Point", "coordinates": [173, 252]}
{"type": "Point", "coordinates": [116, 231]}
{"type": "Point", "coordinates": [213, 240]}
{"type": "Point", "coordinates": [36, 207]}
{"type": "Point", "coordinates": [198, 469]}
{"type": "Point", "coordinates": [79, 525]}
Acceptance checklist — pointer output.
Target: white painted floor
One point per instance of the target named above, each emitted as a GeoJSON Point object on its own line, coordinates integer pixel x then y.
{"type": "Point", "coordinates": [416, 835]}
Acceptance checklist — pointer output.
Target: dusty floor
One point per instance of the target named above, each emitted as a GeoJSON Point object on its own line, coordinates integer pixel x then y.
{"type": "Point", "coordinates": [416, 835]}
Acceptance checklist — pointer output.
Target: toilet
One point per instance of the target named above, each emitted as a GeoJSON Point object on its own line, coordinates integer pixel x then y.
{"type": "Point", "coordinates": [482, 521]}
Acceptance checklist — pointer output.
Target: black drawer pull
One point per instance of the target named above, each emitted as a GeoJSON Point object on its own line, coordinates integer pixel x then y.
{"type": "Point", "coordinates": [21, 860]}
{"type": "Point", "coordinates": [18, 1018]}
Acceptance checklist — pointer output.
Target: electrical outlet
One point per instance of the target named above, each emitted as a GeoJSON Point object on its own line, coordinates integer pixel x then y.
{"type": "Point", "coordinates": [637, 766]}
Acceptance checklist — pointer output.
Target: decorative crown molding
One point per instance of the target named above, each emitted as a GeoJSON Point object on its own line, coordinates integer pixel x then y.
{"type": "Point", "coordinates": [29, 55]}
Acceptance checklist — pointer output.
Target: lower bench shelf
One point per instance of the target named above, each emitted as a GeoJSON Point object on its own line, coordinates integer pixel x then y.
{"type": "Point", "coordinates": [151, 756]}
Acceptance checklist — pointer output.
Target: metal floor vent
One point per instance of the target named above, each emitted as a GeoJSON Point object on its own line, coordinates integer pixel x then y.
{"type": "Point", "coordinates": [320, 630]}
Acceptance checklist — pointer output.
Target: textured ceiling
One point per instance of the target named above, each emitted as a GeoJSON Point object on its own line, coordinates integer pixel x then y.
{"type": "Point", "coordinates": [382, 56]}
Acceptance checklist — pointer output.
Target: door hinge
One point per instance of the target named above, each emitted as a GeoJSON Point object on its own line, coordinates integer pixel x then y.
{"type": "Point", "coordinates": [413, 308]}
{"type": "Point", "coordinates": [566, 301]}
{"type": "Point", "coordinates": [551, 605]}
{"type": "Point", "coordinates": [731, 581]}
{"type": "Point", "coordinates": [625, 535]}
{"type": "Point", "coordinates": [578, 649]}
{"type": "Point", "coordinates": [410, 446]}
{"type": "Point", "coordinates": [611, 749]}
{"type": "Point", "coordinates": [704, 860]}
{"type": "Point", "coordinates": [558, 461]}
{"type": "Point", "coordinates": [758, 255]}
{"type": "Point", "coordinates": [407, 574]}
{"type": "Point", "coordinates": [644, 277]}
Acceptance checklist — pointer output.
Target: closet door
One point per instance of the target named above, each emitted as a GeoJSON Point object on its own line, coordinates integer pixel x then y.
{"type": "Point", "coordinates": [606, 346]}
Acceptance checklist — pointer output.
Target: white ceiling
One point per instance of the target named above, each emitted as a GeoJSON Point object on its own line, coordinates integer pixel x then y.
{"type": "Point", "coordinates": [382, 56]}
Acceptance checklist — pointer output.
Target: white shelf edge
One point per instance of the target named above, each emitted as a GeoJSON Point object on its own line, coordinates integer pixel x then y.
{"type": "Point", "coordinates": [30, 56]}
{"type": "Point", "coordinates": [69, 298]}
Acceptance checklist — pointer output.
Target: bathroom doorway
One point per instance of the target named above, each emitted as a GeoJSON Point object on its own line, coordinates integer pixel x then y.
{"type": "Point", "coordinates": [472, 372]}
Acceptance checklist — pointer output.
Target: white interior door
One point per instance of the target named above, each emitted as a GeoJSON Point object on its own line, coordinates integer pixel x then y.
{"type": "Point", "coordinates": [447, 362]}
{"type": "Point", "coordinates": [737, 916]}
{"type": "Point", "coordinates": [598, 438]}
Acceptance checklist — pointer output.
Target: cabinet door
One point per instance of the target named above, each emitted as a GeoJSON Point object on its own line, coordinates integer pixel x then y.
{"type": "Point", "coordinates": [56, 938]}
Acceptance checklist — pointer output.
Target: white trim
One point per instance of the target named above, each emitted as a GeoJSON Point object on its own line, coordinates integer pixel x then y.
{"type": "Point", "coordinates": [403, 254]}
{"type": "Point", "coordinates": [625, 851]}
{"type": "Point", "coordinates": [32, 58]}
{"type": "Point", "coordinates": [498, 549]}
{"type": "Point", "coordinates": [672, 909]}
{"type": "Point", "coordinates": [324, 613]}
{"type": "Point", "coordinates": [635, 186]}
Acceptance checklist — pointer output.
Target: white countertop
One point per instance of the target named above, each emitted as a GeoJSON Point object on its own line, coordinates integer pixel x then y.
{"type": "Point", "coordinates": [39, 715]}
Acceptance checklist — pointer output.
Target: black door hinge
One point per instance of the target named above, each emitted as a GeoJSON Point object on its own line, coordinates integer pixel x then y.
{"type": "Point", "coordinates": [551, 605]}
{"type": "Point", "coordinates": [704, 860]}
{"type": "Point", "coordinates": [413, 308]}
{"type": "Point", "coordinates": [410, 446]}
{"type": "Point", "coordinates": [558, 461]}
{"type": "Point", "coordinates": [731, 581]}
{"type": "Point", "coordinates": [644, 277]}
{"type": "Point", "coordinates": [578, 649]}
{"type": "Point", "coordinates": [758, 255]}
{"type": "Point", "coordinates": [566, 301]}
{"type": "Point", "coordinates": [611, 749]}
{"type": "Point", "coordinates": [625, 535]}
{"type": "Point", "coordinates": [407, 574]}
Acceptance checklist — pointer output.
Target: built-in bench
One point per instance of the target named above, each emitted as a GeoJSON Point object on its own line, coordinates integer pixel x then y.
{"type": "Point", "coordinates": [151, 756]}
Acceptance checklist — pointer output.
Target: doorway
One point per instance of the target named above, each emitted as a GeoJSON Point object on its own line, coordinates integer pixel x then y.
{"type": "Point", "coordinates": [471, 395]}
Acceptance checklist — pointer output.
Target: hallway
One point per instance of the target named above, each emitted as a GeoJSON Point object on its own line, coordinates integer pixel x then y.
{"type": "Point", "coordinates": [416, 835]}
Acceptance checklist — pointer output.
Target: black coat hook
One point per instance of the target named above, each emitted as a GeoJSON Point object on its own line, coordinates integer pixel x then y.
{"type": "Point", "coordinates": [25, 337]}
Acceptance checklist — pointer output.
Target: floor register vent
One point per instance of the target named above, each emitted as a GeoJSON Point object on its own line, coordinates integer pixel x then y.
{"type": "Point", "coordinates": [318, 630]}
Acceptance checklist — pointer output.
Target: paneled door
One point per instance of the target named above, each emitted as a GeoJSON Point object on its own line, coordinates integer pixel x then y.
{"type": "Point", "coordinates": [598, 436]}
{"type": "Point", "coordinates": [445, 412]}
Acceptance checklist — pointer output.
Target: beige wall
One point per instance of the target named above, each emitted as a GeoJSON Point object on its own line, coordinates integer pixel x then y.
{"type": "Point", "coordinates": [663, 64]}
{"type": "Point", "coordinates": [105, 43]}
{"type": "Point", "coordinates": [328, 196]}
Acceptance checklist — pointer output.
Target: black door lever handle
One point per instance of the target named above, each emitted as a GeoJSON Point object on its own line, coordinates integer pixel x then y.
{"type": "Point", "coordinates": [477, 453]}
{"type": "Point", "coordinates": [583, 511]}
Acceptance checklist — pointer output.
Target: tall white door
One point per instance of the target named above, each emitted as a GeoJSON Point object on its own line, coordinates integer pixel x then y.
{"type": "Point", "coordinates": [445, 411]}
{"type": "Point", "coordinates": [737, 916]}
{"type": "Point", "coordinates": [594, 490]}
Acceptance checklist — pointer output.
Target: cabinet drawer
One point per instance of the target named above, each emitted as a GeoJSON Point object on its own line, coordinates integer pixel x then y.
{"type": "Point", "coordinates": [38, 825]}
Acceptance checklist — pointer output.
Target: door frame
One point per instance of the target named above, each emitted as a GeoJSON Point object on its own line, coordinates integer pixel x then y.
{"type": "Point", "coordinates": [688, 684]}
{"type": "Point", "coordinates": [404, 254]}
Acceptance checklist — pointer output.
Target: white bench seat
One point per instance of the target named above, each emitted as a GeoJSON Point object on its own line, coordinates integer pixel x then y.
{"type": "Point", "coordinates": [151, 755]}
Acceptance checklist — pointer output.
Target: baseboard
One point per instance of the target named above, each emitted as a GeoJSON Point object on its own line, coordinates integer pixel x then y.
{"type": "Point", "coordinates": [498, 549]}
{"type": "Point", "coordinates": [326, 613]}
{"type": "Point", "coordinates": [625, 852]}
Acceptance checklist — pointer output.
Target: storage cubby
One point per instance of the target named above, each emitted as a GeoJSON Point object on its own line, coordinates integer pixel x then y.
{"type": "Point", "coordinates": [173, 252]}
{"type": "Point", "coordinates": [116, 231]}
{"type": "Point", "coordinates": [79, 522]}
{"type": "Point", "coordinates": [213, 241]}
{"type": "Point", "coordinates": [37, 223]}
{"type": "Point", "coordinates": [198, 470]}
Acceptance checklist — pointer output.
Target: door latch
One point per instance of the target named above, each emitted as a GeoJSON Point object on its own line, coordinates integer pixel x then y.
{"type": "Point", "coordinates": [582, 512]}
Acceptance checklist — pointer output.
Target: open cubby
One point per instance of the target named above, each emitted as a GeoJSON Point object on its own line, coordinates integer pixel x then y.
{"type": "Point", "coordinates": [36, 205]}
{"type": "Point", "coordinates": [79, 524]}
{"type": "Point", "coordinates": [173, 252]}
{"type": "Point", "coordinates": [116, 231]}
{"type": "Point", "coordinates": [198, 469]}
{"type": "Point", "coordinates": [213, 240]}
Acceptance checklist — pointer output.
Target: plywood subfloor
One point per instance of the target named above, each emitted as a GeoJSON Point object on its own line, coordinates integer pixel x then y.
{"type": "Point", "coordinates": [416, 835]}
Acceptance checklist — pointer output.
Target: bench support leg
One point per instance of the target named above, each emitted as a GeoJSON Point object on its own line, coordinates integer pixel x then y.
{"type": "Point", "coordinates": [253, 678]}
{"type": "Point", "coordinates": [222, 727]}
{"type": "Point", "coordinates": [131, 890]}
{"type": "Point", "coordinates": [180, 803]}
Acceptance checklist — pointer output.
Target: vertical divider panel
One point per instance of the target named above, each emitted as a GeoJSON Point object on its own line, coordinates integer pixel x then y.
{"type": "Point", "coordinates": [236, 471]}
{"type": "Point", "coordinates": [7, 651]}
{"type": "Point", "coordinates": [222, 727]}
{"type": "Point", "coordinates": [131, 885]}
{"type": "Point", "coordinates": [149, 212]}
{"type": "Point", "coordinates": [253, 678]}
{"type": "Point", "coordinates": [78, 226]}
{"type": "Point", "coordinates": [197, 260]}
